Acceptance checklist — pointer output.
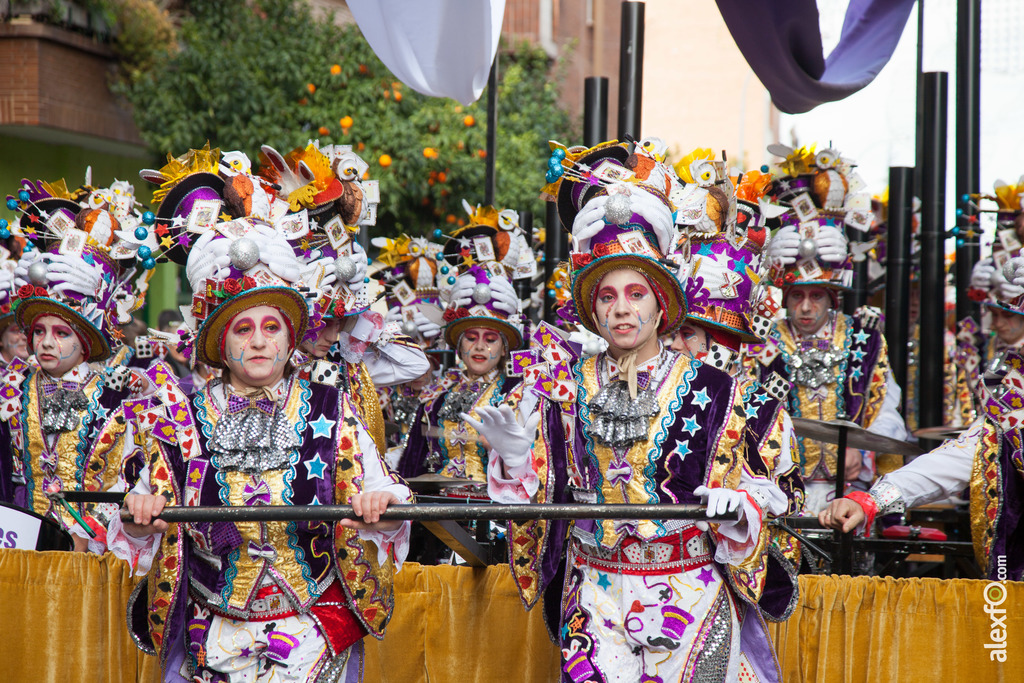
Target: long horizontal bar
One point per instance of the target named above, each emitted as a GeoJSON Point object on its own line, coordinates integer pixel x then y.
{"type": "Point", "coordinates": [437, 512]}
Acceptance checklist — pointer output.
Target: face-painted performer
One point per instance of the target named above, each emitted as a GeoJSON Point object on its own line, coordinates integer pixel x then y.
{"type": "Point", "coordinates": [259, 601]}
{"type": "Point", "coordinates": [836, 364]}
{"type": "Point", "coordinates": [483, 326]}
{"type": "Point", "coordinates": [636, 599]}
{"type": "Point", "coordinates": [59, 425]}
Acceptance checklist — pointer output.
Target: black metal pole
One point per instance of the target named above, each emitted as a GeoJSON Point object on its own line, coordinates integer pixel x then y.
{"type": "Point", "coordinates": [919, 128]}
{"type": "Point", "coordinates": [436, 512]}
{"type": "Point", "coordinates": [933, 213]}
{"type": "Point", "coordinates": [897, 271]}
{"type": "Point", "coordinates": [968, 146]}
{"type": "Point", "coordinates": [595, 110]}
{"type": "Point", "coordinates": [554, 253]}
{"type": "Point", "coordinates": [631, 69]}
{"type": "Point", "coordinates": [524, 285]}
{"type": "Point", "coordinates": [492, 133]}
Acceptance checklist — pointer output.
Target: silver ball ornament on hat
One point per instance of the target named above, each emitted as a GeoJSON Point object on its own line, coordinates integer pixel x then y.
{"type": "Point", "coordinates": [409, 327]}
{"type": "Point", "coordinates": [808, 248]}
{"type": "Point", "coordinates": [244, 253]}
{"type": "Point", "coordinates": [37, 274]}
{"type": "Point", "coordinates": [1009, 268]}
{"type": "Point", "coordinates": [345, 268]}
{"type": "Point", "coordinates": [482, 293]}
{"type": "Point", "coordinates": [618, 209]}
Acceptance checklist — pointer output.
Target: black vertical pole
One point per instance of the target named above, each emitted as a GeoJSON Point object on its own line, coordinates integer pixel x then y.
{"type": "Point", "coordinates": [492, 133]}
{"type": "Point", "coordinates": [631, 69]}
{"type": "Point", "coordinates": [554, 253]}
{"type": "Point", "coordinates": [595, 110]}
{"type": "Point", "coordinates": [897, 271]}
{"type": "Point", "coordinates": [968, 130]}
{"type": "Point", "coordinates": [919, 128]}
{"type": "Point", "coordinates": [933, 215]}
{"type": "Point", "coordinates": [524, 284]}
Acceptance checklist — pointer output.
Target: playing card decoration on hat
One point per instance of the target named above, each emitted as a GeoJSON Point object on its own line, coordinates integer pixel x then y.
{"type": "Point", "coordinates": [81, 261]}
{"type": "Point", "coordinates": [726, 279]}
{"type": "Point", "coordinates": [989, 279]}
{"type": "Point", "coordinates": [824, 195]}
{"type": "Point", "coordinates": [483, 296]}
{"type": "Point", "coordinates": [616, 221]}
{"type": "Point", "coordinates": [491, 235]}
{"type": "Point", "coordinates": [413, 268]}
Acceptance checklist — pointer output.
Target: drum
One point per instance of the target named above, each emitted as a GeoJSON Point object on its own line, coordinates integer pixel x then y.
{"type": "Point", "coordinates": [24, 529]}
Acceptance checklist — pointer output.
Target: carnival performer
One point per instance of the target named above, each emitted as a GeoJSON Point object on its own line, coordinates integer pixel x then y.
{"type": "Point", "coordinates": [59, 426]}
{"type": "Point", "coordinates": [259, 601]}
{"type": "Point", "coordinates": [13, 341]}
{"type": "Point", "coordinates": [631, 600]}
{"type": "Point", "coordinates": [483, 326]}
{"type": "Point", "coordinates": [837, 364]}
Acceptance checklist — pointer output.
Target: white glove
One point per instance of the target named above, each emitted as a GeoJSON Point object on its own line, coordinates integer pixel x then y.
{"type": "Point", "coordinates": [1013, 270]}
{"type": "Point", "coordinates": [503, 294]}
{"type": "Point", "coordinates": [509, 439]}
{"type": "Point", "coordinates": [1006, 291]}
{"type": "Point", "coordinates": [394, 315]}
{"type": "Point", "coordinates": [426, 327]}
{"type": "Point", "coordinates": [831, 244]}
{"type": "Point", "coordinates": [207, 259]}
{"type": "Point", "coordinates": [312, 270]}
{"type": "Point", "coordinates": [76, 275]}
{"type": "Point", "coordinates": [588, 222]}
{"type": "Point", "coordinates": [784, 246]}
{"type": "Point", "coordinates": [276, 252]}
{"type": "Point", "coordinates": [981, 274]}
{"type": "Point", "coordinates": [357, 282]}
{"type": "Point", "coordinates": [720, 501]}
{"type": "Point", "coordinates": [6, 280]}
{"type": "Point", "coordinates": [21, 270]}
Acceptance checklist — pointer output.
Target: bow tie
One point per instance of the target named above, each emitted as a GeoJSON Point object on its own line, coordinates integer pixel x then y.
{"type": "Point", "coordinates": [50, 387]}
{"type": "Point", "coordinates": [237, 404]}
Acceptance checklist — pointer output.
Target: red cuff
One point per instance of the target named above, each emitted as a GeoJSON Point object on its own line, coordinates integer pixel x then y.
{"type": "Point", "coordinates": [868, 504]}
{"type": "Point", "coordinates": [760, 512]}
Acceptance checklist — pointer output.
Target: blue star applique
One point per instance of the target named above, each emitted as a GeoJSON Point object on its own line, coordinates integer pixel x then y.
{"type": "Point", "coordinates": [683, 449]}
{"type": "Point", "coordinates": [322, 427]}
{"type": "Point", "coordinates": [856, 373]}
{"type": "Point", "coordinates": [316, 467]}
{"type": "Point", "coordinates": [751, 412]}
{"type": "Point", "coordinates": [705, 250]}
{"type": "Point", "coordinates": [604, 582]}
{"type": "Point", "coordinates": [701, 398]}
{"type": "Point", "coordinates": [690, 425]}
{"type": "Point", "coordinates": [858, 354]}
{"type": "Point", "coordinates": [861, 337]}
{"type": "Point", "coordinates": [740, 265]}
{"type": "Point", "coordinates": [760, 398]}
{"type": "Point", "coordinates": [89, 259]}
{"type": "Point", "coordinates": [315, 501]}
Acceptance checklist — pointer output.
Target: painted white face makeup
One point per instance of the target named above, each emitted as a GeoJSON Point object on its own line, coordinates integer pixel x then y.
{"type": "Point", "coordinates": [257, 347]}
{"type": "Point", "coordinates": [481, 349]}
{"type": "Point", "coordinates": [691, 340]}
{"type": "Point", "coordinates": [808, 308]}
{"type": "Point", "coordinates": [57, 347]}
{"type": "Point", "coordinates": [628, 314]}
{"type": "Point", "coordinates": [324, 339]}
{"type": "Point", "coordinates": [14, 343]}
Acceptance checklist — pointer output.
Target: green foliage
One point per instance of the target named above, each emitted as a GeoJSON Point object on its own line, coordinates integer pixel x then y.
{"type": "Point", "coordinates": [265, 72]}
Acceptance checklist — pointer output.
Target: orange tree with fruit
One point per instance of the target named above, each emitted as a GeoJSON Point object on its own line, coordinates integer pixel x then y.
{"type": "Point", "coordinates": [250, 72]}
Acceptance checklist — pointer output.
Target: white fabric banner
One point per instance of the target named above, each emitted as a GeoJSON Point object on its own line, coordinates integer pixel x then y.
{"type": "Point", "coordinates": [441, 48]}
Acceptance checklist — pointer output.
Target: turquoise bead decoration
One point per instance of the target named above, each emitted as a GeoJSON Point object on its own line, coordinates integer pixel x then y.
{"type": "Point", "coordinates": [149, 218]}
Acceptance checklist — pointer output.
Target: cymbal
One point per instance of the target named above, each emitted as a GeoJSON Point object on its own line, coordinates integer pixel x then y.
{"type": "Point", "coordinates": [938, 433]}
{"type": "Point", "coordinates": [856, 436]}
{"type": "Point", "coordinates": [433, 481]}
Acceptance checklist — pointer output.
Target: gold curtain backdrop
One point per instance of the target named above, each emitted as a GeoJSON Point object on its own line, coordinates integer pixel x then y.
{"type": "Point", "coordinates": [64, 621]}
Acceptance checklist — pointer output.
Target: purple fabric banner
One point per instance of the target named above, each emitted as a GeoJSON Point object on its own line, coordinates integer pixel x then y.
{"type": "Point", "coordinates": [781, 40]}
